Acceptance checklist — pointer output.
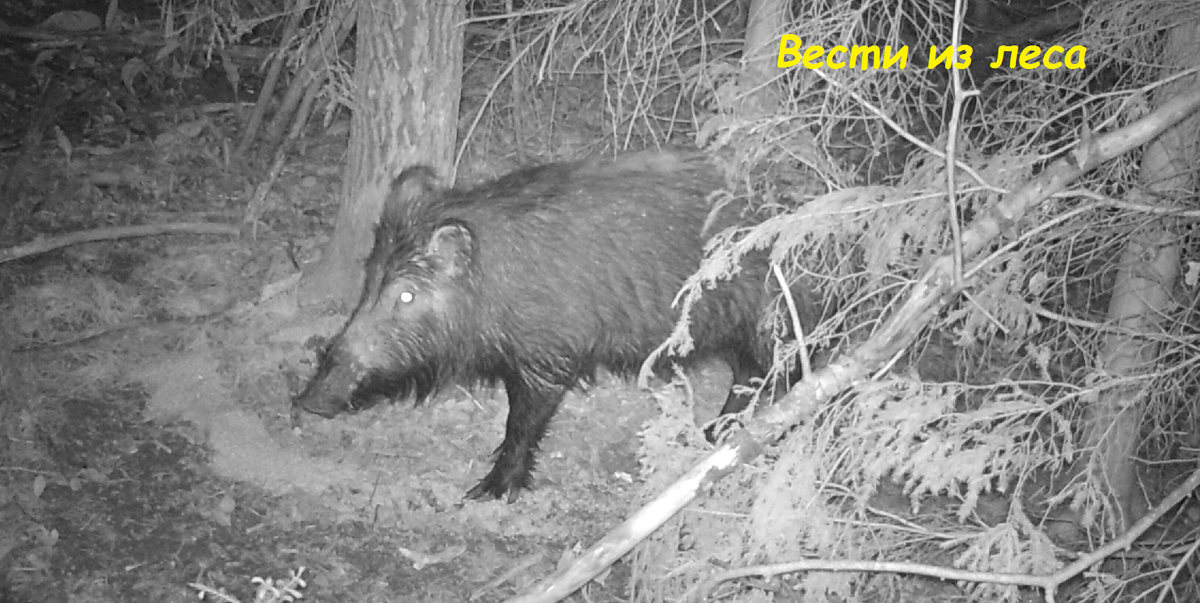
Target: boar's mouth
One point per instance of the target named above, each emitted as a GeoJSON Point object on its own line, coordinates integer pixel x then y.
{"type": "Point", "coordinates": [336, 392]}
{"type": "Point", "coordinates": [379, 386]}
{"type": "Point", "coordinates": [326, 413]}
{"type": "Point", "coordinates": [322, 405]}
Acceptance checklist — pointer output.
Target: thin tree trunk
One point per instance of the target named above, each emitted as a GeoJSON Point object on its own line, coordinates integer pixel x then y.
{"type": "Point", "coordinates": [763, 24]}
{"type": "Point", "coordinates": [1145, 276]}
{"type": "Point", "coordinates": [408, 81]}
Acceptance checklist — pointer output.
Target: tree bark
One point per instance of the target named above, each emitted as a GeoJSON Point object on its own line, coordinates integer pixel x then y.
{"type": "Point", "coordinates": [1145, 276]}
{"type": "Point", "coordinates": [759, 56]}
{"type": "Point", "coordinates": [408, 81]}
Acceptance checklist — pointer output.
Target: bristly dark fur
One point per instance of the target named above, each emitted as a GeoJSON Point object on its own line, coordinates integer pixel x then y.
{"type": "Point", "coordinates": [419, 383]}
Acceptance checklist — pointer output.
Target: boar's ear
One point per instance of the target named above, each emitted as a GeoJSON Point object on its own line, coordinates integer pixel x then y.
{"type": "Point", "coordinates": [413, 183]}
{"type": "Point", "coordinates": [451, 248]}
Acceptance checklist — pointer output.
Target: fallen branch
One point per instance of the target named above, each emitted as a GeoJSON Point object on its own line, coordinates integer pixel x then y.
{"type": "Point", "coordinates": [926, 298]}
{"type": "Point", "coordinates": [116, 232]}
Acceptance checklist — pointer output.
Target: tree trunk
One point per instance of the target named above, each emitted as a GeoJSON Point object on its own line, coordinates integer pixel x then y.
{"type": "Point", "coordinates": [1145, 275]}
{"type": "Point", "coordinates": [759, 56]}
{"type": "Point", "coordinates": [407, 85]}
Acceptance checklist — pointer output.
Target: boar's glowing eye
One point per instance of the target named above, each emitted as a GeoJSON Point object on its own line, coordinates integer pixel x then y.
{"type": "Point", "coordinates": [397, 294]}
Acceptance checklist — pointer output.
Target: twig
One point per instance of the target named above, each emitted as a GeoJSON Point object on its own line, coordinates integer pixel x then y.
{"type": "Point", "coordinates": [1179, 567]}
{"type": "Point", "coordinates": [116, 232]}
{"type": "Point", "coordinates": [794, 313]}
{"type": "Point", "coordinates": [258, 203]}
{"type": "Point", "coordinates": [958, 95]}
